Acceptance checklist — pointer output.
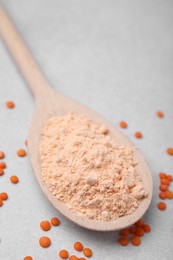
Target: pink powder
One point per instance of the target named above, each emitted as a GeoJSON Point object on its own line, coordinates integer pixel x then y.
{"type": "Point", "coordinates": [88, 171]}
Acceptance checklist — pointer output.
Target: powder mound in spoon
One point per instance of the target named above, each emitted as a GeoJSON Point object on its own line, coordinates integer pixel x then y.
{"type": "Point", "coordinates": [86, 170]}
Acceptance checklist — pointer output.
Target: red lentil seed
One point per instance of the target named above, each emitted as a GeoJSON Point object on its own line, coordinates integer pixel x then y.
{"type": "Point", "coordinates": [87, 252]}
{"type": "Point", "coordinates": [139, 223]}
{"type": "Point", "coordinates": [1, 202]}
{"type": "Point", "coordinates": [124, 232]}
{"type": "Point", "coordinates": [169, 177]}
{"type": "Point", "coordinates": [28, 258]}
{"type": "Point", "coordinates": [4, 195]}
{"type": "Point", "coordinates": [136, 241]}
{"type": "Point", "coordinates": [2, 155]}
{"type": "Point", "coordinates": [162, 195]}
{"type": "Point", "coordinates": [163, 187]}
{"type": "Point", "coordinates": [162, 175]}
{"type": "Point", "coordinates": [170, 151]}
{"type": "Point", "coordinates": [160, 114]}
{"type": "Point", "coordinates": [123, 241]}
{"type": "Point", "coordinates": [55, 221]}
{"type": "Point", "coordinates": [123, 124]}
{"type": "Point", "coordinates": [165, 181]}
{"type": "Point", "coordinates": [3, 165]}
{"type": "Point", "coordinates": [10, 104]}
{"type": "Point", "coordinates": [1, 172]}
{"type": "Point", "coordinates": [138, 135]}
{"type": "Point", "coordinates": [147, 228]}
{"type": "Point", "coordinates": [132, 229]}
{"type": "Point", "coordinates": [21, 153]}
{"type": "Point", "coordinates": [139, 232]}
{"type": "Point", "coordinates": [14, 179]}
{"type": "Point", "coordinates": [161, 206]}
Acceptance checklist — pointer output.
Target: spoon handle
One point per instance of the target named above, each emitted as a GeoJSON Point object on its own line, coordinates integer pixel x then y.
{"type": "Point", "coordinates": [23, 58]}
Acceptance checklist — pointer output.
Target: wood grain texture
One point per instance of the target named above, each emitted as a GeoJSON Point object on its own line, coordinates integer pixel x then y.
{"type": "Point", "coordinates": [50, 103]}
{"type": "Point", "coordinates": [27, 65]}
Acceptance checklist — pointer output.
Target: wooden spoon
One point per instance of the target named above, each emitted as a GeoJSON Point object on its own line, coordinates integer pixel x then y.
{"type": "Point", "coordinates": [50, 103]}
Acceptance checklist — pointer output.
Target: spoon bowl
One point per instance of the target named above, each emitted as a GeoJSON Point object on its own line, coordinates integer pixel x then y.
{"type": "Point", "coordinates": [50, 103]}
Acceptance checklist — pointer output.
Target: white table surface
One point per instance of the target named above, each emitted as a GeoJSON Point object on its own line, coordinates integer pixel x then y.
{"type": "Point", "coordinates": [117, 58]}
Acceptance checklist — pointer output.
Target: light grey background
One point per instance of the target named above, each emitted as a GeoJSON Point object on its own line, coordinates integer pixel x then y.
{"type": "Point", "coordinates": [117, 58]}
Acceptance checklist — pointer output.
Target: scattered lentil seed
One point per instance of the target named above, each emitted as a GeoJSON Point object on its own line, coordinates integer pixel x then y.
{"type": "Point", "coordinates": [138, 135]}
{"type": "Point", "coordinates": [162, 175]}
{"type": "Point", "coordinates": [169, 194]}
{"type": "Point", "coordinates": [170, 151]}
{"type": "Point", "coordinates": [14, 179]}
{"type": "Point", "coordinates": [4, 195]}
{"type": "Point", "coordinates": [132, 230]}
{"type": "Point", "coordinates": [160, 114]}
{"type": "Point", "coordinates": [162, 195]}
{"type": "Point", "coordinates": [21, 153]}
{"type": "Point", "coordinates": [163, 187]}
{"type": "Point", "coordinates": [2, 155]}
{"type": "Point", "coordinates": [45, 225]}
{"type": "Point", "coordinates": [28, 258]}
{"type": "Point", "coordinates": [146, 228]}
{"type": "Point", "coordinates": [73, 257]}
{"type": "Point", "coordinates": [10, 104]}
{"type": "Point", "coordinates": [139, 223]}
{"type": "Point", "coordinates": [123, 124]}
{"type": "Point", "coordinates": [3, 165]}
{"type": "Point", "coordinates": [139, 232]}
{"type": "Point", "coordinates": [1, 172]}
{"type": "Point", "coordinates": [78, 246]}
{"type": "Point", "coordinates": [123, 241]}
{"type": "Point", "coordinates": [1, 202]}
{"type": "Point", "coordinates": [124, 232]}
{"type": "Point", "coordinates": [169, 177]}
{"type": "Point", "coordinates": [82, 258]}
{"type": "Point", "coordinates": [87, 252]}
{"type": "Point", "coordinates": [161, 206]}
{"type": "Point", "coordinates": [136, 241]}
{"type": "Point", "coordinates": [165, 181]}
{"type": "Point", "coordinates": [55, 221]}
{"type": "Point", "coordinates": [44, 241]}
{"type": "Point", "coordinates": [63, 254]}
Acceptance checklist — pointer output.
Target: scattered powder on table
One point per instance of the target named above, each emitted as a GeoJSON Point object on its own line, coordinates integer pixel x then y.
{"type": "Point", "coordinates": [86, 170]}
